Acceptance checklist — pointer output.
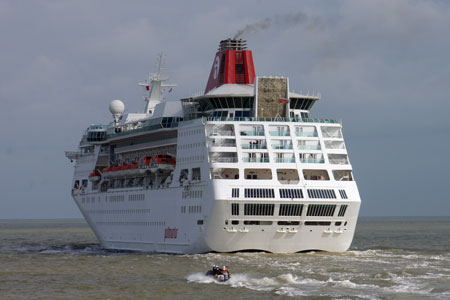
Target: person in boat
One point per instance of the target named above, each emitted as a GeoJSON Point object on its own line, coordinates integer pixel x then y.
{"type": "Point", "coordinates": [217, 271]}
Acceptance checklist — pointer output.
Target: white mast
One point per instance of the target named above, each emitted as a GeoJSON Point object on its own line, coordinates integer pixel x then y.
{"type": "Point", "coordinates": [155, 85]}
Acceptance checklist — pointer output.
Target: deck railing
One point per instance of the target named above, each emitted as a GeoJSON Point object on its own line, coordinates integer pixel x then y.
{"type": "Point", "coordinates": [306, 134]}
{"type": "Point", "coordinates": [285, 160]}
{"type": "Point", "coordinates": [254, 146]}
{"type": "Point", "coordinates": [252, 133]}
{"type": "Point", "coordinates": [256, 160]}
{"type": "Point", "coordinates": [309, 147]}
{"type": "Point", "coordinates": [276, 133]}
{"type": "Point", "coordinates": [282, 146]}
{"type": "Point", "coordinates": [312, 161]}
{"type": "Point", "coordinates": [223, 159]}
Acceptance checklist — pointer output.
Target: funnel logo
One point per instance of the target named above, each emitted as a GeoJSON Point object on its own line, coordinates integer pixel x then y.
{"type": "Point", "coordinates": [216, 67]}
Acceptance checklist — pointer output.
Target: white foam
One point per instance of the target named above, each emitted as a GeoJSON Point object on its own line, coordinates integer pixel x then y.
{"type": "Point", "coordinates": [200, 278]}
{"type": "Point", "coordinates": [50, 251]}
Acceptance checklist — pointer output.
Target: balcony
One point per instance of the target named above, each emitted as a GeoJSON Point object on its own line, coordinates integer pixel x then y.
{"type": "Point", "coordinates": [285, 160]}
{"type": "Point", "coordinates": [222, 133]}
{"type": "Point", "coordinates": [312, 161]}
{"type": "Point", "coordinates": [309, 147]}
{"type": "Point", "coordinates": [255, 160]}
{"type": "Point", "coordinates": [223, 160]}
{"type": "Point", "coordinates": [338, 159]}
{"type": "Point", "coordinates": [222, 143]}
{"type": "Point", "coordinates": [282, 147]}
{"type": "Point", "coordinates": [276, 133]}
{"type": "Point", "coordinates": [306, 134]}
{"type": "Point", "coordinates": [252, 133]}
{"type": "Point", "coordinates": [247, 146]}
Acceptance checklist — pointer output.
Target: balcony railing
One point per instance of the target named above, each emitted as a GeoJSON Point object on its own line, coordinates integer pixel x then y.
{"type": "Point", "coordinates": [285, 160]}
{"type": "Point", "coordinates": [219, 144]}
{"type": "Point", "coordinates": [221, 133]}
{"type": "Point", "coordinates": [255, 160]}
{"type": "Point", "coordinates": [238, 119]}
{"type": "Point", "coordinates": [282, 146]}
{"type": "Point", "coordinates": [223, 159]}
{"type": "Point", "coordinates": [312, 161]}
{"type": "Point", "coordinates": [254, 146]}
{"type": "Point", "coordinates": [309, 147]}
{"type": "Point", "coordinates": [306, 134]}
{"type": "Point", "coordinates": [276, 133]}
{"type": "Point", "coordinates": [252, 133]}
{"type": "Point", "coordinates": [338, 161]}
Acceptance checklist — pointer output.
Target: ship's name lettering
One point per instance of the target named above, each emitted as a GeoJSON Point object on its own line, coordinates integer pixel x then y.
{"type": "Point", "coordinates": [170, 233]}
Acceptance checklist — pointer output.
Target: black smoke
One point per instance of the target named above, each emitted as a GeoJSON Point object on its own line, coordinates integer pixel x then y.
{"type": "Point", "coordinates": [279, 20]}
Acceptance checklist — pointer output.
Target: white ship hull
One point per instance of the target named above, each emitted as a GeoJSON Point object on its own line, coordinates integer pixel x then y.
{"type": "Point", "coordinates": [240, 168]}
{"type": "Point", "coordinates": [196, 216]}
{"type": "Point", "coordinates": [142, 225]}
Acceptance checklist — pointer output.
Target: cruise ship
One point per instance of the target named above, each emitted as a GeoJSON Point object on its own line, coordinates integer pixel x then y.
{"type": "Point", "coordinates": [241, 166]}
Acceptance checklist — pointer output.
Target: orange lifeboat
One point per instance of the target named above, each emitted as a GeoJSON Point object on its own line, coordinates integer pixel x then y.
{"type": "Point", "coordinates": [94, 176]}
{"type": "Point", "coordinates": [163, 162]}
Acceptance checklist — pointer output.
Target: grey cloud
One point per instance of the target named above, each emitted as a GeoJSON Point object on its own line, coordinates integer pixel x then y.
{"type": "Point", "coordinates": [381, 66]}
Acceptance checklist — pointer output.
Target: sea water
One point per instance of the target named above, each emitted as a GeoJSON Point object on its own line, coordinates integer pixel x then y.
{"type": "Point", "coordinates": [390, 258]}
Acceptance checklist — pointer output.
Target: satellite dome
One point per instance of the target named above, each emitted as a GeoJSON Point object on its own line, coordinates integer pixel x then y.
{"type": "Point", "coordinates": [116, 107]}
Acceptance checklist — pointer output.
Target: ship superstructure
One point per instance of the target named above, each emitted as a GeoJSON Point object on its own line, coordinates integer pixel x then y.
{"type": "Point", "coordinates": [240, 167]}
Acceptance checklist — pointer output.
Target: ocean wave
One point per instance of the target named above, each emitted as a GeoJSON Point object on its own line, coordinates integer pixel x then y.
{"type": "Point", "coordinates": [39, 248]}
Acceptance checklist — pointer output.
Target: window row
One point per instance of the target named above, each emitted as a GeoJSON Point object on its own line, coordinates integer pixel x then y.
{"type": "Point", "coordinates": [342, 210]}
{"type": "Point", "coordinates": [258, 209]}
{"type": "Point", "coordinates": [284, 193]}
{"type": "Point", "coordinates": [115, 198]}
{"type": "Point", "coordinates": [321, 194]}
{"type": "Point", "coordinates": [291, 193]}
{"type": "Point", "coordinates": [191, 209]}
{"type": "Point", "coordinates": [192, 194]}
{"type": "Point", "coordinates": [289, 176]}
{"type": "Point", "coordinates": [191, 132]}
{"type": "Point", "coordinates": [137, 197]}
{"type": "Point", "coordinates": [259, 193]}
{"type": "Point", "coordinates": [267, 209]}
{"type": "Point", "coordinates": [343, 194]}
{"type": "Point", "coordinates": [190, 146]}
{"type": "Point", "coordinates": [321, 210]}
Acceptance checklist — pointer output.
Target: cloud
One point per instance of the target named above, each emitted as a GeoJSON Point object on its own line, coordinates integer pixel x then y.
{"type": "Point", "coordinates": [382, 66]}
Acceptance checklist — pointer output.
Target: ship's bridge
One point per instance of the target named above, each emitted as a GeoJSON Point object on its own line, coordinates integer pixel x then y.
{"type": "Point", "coordinates": [233, 90]}
{"type": "Point", "coordinates": [238, 101]}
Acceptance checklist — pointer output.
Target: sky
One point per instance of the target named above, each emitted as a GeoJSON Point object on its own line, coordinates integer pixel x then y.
{"type": "Point", "coordinates": [383, 67]}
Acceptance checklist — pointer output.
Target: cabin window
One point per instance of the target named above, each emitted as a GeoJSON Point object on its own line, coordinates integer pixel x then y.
{"type": "Point", "coordinates": [196, 175]}
{"type": "Point", "coordinates": [183, 175]}
{"type": "Point", "coordinates": [258, 174]}
{"type": "Point", "coordinates": [288, 176]}
{"type": "Point", "coordinates": [235, 209]}
{"type": "Point", "coordinates": [224, 173]}
{"type": "Point", "coordinates": [343, 175]}
{"type": "Point", "coordinates": [313, 174]}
